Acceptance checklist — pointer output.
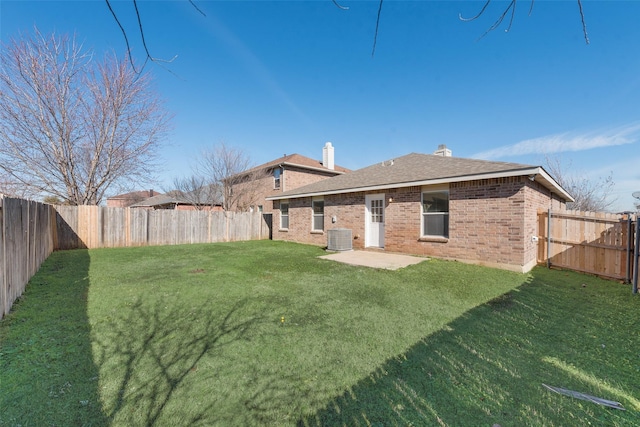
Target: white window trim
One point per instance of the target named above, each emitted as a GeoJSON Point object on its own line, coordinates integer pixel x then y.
{"type": "Point", "coordinates": [282, 216]}
{"type": "Point", "coordinates": [442, 188]}
{"type": "Point", "coordinates": [278, 180]}
{"type": "Point", "coordinates": [313, 215]}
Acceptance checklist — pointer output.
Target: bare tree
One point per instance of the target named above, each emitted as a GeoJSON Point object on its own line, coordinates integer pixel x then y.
{"type": "Point", "coordinates": [73, 126]}
{"type": "Point", "coordinates": [230, 170]}
{"type": "Point", "coordinates": [197, 191]}
{"type": "Point", "coordinates": [589, 195]}
{"type": "Point", "coordinates": [11, 188]}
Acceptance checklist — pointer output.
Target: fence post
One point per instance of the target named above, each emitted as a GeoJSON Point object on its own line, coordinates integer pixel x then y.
{"type": "Point", "coordinates": [549, 238]}
{"type": "Point", "coordinates": [3, 267]}
{"type": "Point", "coordinates": [629, 240]}
{"type": "Point", "coordinates": [636, 256]}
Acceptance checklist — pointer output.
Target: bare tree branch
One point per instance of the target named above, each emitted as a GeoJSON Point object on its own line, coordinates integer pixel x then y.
{"type": "Point", "coordinates": [584, 24]}
{"type": "Point", "coordinates": [339, 6]}
{"type": "Point", "coordinates": [198, 191]}
{"type": "Point", "coordinates": [124, 34]}
{"type": "Point", "coordinates": [375, 35]}
{"type": "Point", "coordinates": [148, 56]}
{"type": "Point", "coordinates": [589, 195]}
{"type": "Point", "coordinates": [511, 6]}
{"type": "Point", "coordinates": [229, 170]}
{"type": "Point", "coordinates": [197, 8]}
{"type": "Point", "coordinates": [71, 126]}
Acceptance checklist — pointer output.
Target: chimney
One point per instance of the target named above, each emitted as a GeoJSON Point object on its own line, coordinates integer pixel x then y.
{"type": "Point", "coordinates": [442, 151]}
{"type": "Point", "coordinates": [327, 156]}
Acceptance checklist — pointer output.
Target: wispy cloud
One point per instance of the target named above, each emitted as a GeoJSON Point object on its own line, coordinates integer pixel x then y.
{"type": "Point", "coordinates": [568, 141]}
{"type": "Point", "coordinates": [254, 65]}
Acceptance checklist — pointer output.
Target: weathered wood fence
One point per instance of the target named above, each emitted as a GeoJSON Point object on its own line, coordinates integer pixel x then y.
{"type": "Point", "coordinates": [102, 227]}
{"type": "Point", "coordinates": [30, 231]}
{"type": "Point", "coordinates": [26, 240]}
{"type": "Point", "coordinates": [590, 242]}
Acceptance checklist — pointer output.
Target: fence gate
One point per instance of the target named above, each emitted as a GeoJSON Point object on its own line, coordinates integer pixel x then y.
{"type": "Point", "coordinates": [591, 242]}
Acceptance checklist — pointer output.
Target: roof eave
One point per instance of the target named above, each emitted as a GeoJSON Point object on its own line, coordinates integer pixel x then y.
{"type": "Point", "coordinates": [326, 170]}
{"type": "Point", "coordinates": [537, 172]}
{"type": "Point", "coordinates": [290, 164]}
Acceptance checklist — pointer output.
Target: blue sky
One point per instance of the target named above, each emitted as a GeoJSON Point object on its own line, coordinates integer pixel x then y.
{"type": "Point", "coordinates": [283, 77]}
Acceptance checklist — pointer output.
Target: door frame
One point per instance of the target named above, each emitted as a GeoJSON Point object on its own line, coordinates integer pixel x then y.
{"type": "Point", "coordinates": [368, 225]}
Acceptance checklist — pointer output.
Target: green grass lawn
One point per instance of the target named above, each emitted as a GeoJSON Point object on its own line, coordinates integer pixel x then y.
{"type": "Point", "coordinates": [265, 333]}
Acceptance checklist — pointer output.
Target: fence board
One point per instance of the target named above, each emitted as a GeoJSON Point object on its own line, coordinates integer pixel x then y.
{"type": "Point", "coordinates": [98, 227]}
{"type": "Point", "coordinates": [26, 240]}
{"type": "Point", "coordinates": [591, 242]}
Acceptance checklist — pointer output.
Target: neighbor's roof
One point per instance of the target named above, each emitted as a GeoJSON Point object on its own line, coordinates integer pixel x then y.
{"type": "Point", "coordinates": [421, 169]}
{"type": "Point", "coordinates": [134, 195]}
{"type": "Point", "coordinates": [297, 160]}
{"type": "Point", "coordinates": [159, 200]}
{"type": "Point", "coordinates": [174, 197]}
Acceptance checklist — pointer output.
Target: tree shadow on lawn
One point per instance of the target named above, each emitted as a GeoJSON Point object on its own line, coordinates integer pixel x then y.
{"type": "Point", "coordinates": [487, 367]}
{"type": "Point", "coordinates": [160, 363]}
{"type": "Point", "coordinates": [47, 372]}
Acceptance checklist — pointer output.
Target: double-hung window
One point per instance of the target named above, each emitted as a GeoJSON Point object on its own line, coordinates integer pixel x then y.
{"type": "Point", "coordinates": [318, 215]}
{"type": "Point", "coordinates": [284, 215]}
{"type": "Point", "coordinates": [277, 172]}
{"type": "Point", "coordinates": [435, 213]}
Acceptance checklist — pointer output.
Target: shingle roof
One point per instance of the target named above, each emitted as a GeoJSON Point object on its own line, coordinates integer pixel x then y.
{"type": "Point", "coordinates": [417, 169]}
{"type": "Point", "coordinates": [299, 160]}
{"type": "Point", "coordinates": [159, 200]}
{"type": "Point", "coordinates": [134, 195]}
{"type": "Point", "coordinates": [177, 198]}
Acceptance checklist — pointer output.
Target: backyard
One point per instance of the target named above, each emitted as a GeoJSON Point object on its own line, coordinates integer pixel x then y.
{"type": "Point", "coordinates": [266, 333]}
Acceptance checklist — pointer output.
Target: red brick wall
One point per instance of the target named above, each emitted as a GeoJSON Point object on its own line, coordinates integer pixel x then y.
{"type": "Point", "coordinates": [537, 198]}
{"type": "Point", "coordinates": [297, 177]}
{"type": "Point", "coordinates": [291, 179]}
{"type": "Point", "coordinates": [491, 222]}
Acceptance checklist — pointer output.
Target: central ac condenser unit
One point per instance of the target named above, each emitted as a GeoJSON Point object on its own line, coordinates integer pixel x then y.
{"type": "Point", "coordinates": [339, 239]}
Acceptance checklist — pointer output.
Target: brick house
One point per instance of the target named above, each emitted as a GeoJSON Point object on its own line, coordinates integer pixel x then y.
{"type": "Point", "coordinates": [128, 199]}
{"type": "Point", "coordinates": [178, 202]}
{"type": "Point", "coordinates": [204, 198]}
{"type": "Point", "coordinates": [282, 174]}
{"type": "Point", "coordinates": [475, 211]}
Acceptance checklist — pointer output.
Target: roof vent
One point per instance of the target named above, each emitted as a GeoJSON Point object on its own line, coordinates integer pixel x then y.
{"type": "Point", "coordinates": [442, 151]}
{"type": "Point", "coordinates": [339, 239]}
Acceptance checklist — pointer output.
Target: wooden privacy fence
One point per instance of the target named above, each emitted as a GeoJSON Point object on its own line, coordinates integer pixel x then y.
{"type": "Point", "coordinates": [102, 227]}
{"type": "Point", "coordinates": [30, 231]}
{"type": "Point", "coordinates": [590, 242]}
{"type": "Point", "coordinates": [26, 240]}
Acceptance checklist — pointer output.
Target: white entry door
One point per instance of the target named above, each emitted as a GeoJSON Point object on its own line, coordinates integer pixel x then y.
{"type": "Point", "coordinates": [374, 224]}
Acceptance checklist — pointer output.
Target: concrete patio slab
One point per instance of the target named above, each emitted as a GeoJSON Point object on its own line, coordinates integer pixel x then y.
{"type": "Point", "coordinates": [374, 259]}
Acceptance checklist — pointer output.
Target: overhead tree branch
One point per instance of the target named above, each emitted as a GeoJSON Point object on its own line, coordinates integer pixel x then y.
{"type": "Point", "coordinates": [375, 35]}
{"type": "Point", "coordinates": [511, 6]}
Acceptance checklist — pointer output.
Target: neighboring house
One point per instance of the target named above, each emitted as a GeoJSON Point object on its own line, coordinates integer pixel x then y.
{"type": "Point", "coordinates": [177, 202]}
{"type": "Point", "coordinates": [128, 199]}
{"type": "Point", "coordinates": [280, 175]}
{"type": "Point", "coordinates": [470, 210]}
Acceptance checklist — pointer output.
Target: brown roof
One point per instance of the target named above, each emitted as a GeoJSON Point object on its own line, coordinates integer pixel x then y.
{"type": "Point", "coordinates": [300, 161]}
{"type": "Point", "coordinates": [176, 198]}
{"type": "Point", "coordinates": [420, 169]}
{"type": "Point", "coordinates": [135, 195]}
